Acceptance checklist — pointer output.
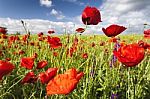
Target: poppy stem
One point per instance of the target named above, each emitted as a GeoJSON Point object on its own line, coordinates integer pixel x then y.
{"type": "Point", "coordinates": [114, 58]}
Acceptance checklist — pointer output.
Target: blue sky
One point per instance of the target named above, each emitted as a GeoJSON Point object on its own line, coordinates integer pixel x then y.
{"type": "Point", "coordinates": [61, 15]}
{"type": "Point", "coordinates": [33, 9]}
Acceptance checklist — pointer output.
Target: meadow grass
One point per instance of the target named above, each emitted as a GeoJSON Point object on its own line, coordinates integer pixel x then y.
{"type": "Point", "coordinates": [100, 81]}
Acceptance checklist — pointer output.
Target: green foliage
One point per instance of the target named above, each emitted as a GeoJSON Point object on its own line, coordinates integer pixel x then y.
{"type": "Point", "coordinates": [99, 81]}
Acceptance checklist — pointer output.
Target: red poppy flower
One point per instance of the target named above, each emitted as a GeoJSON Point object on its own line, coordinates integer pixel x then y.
{"type": "Point", "coordinates": [45, 77]}
{"type": "Point", "coordinates": [12, 39]}
{"type": "Point", "coordinates": [113, 39]}
{"type": "Point", "coordinates": [130, 55]}
{"type": "Point", "coordinates": [70, 51]}
{"type": "Point", "coordinates": [35, 55]}
{"type": "Point", "coordinates": [75, 41]}
{"type": "Point", "coordinates": [32, 43]}
{"type": "Point", "coordinates": [54, 42]}
{"type": "Point", "coordinates": [41, 64]}
{"type": "Point", "coordinates": [80, 30]}
{"type": "Point", "coordinates": [147, 34]}
{"type": "Point", "coordinates": [51, 71]}
{"type": "Point", "coordinates": [102, 43]}
{"type": "Point", "coordinates": [85, 55]}
{"type": "Point", "coordinates": [144, 44]}
{"type": "Point", "coordinates": [40, 34]}
{"type": "Point", "coordinates": [55, 54]}
{"type": "Point", "coordinates": [27, 62]}
{"type": "Point", "coordinates": [4, 36]}
{"type": "Point", "coordinates": [5, 68]}
{"type": "Point", "coordinates": [25, 38]}
{"type": "Point", "coordinates": [40, 38]}
{"type": "Point", "coordinates": [91, 16]}
{"type": "Point", "coordinates": [8, 59]}
{"type": "Point", "coordinates": [51, 31]}
{"type": "Point", "coordinates": [29, 78]}
{"type": "Point", "coordinates": [113, 30]}
{"type": "Point", "coordinates": [64, 83]}
{"type": "Point", "coordinates": [93, 44]}
{"type": "Point", "coordinates": [3, 30]}
{"type": "Point", "coordinates": [21, 52]}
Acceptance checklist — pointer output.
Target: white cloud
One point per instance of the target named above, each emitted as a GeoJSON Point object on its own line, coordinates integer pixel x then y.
{"type": "Point", "coordinates": [76, 19]}
{"type": "Point", "coordinates": [54, 12]}
{"type": "Point", "coordinates": [130, 13]}
{"type": "Point", "coordinates": [35, 25]}
{"type": "Point", "coordinates": [39, 25]}
{"type": "Point", "coordinates": [47, 3]}
{"type": "Point", "coordinates": [57, 14]}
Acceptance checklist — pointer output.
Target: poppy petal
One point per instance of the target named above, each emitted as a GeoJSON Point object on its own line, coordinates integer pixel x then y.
{"type": "Point", "coordinates": [64, 83]}
{"type": "Point", "coordinates": [5, 68]}
{"type": "Point", "coordinates": [27, 62]}
{"type": "Point", "coordinates": [130, 55]}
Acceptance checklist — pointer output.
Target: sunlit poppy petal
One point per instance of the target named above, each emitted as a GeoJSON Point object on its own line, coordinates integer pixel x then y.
{"type": "Point", "coordinates": [64, 83]}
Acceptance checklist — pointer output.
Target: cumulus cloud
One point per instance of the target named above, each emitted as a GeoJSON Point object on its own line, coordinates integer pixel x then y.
{"type": "Point", "coordinates": [36, 25]}
{"type": "Point", "coordinates": [47, 3]}
{"type": "Point", "coordinates": [130, 13]}
{"type": "Point", "coordinates": [57, 14]}
{"type": "Point", "coordinates": [39, 25]}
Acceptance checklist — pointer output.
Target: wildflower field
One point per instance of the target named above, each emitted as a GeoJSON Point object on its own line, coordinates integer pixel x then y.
{"type": "Point", "coordinates": [75, 66]}
{"type": "Point", "coordinates": [91, 55]}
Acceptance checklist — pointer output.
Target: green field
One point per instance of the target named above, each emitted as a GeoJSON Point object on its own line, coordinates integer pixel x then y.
{"type": "Point", "coordinates": [100, 81]}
